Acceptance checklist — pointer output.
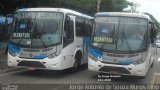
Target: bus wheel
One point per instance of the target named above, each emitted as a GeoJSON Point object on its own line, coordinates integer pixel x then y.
{"type": "Point", "coordinates": [152, 64]}
{"type": "Point", "coordinates": [153, 61]}
{"type": "Point", "coordinates": [75, 66]}
{"type": "Point", "coordinates": [77, 62]}
{"type": "Point", "coordinates": [141, 77]}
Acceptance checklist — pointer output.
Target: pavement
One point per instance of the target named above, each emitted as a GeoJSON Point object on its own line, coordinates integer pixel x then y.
{"type": "Point", "coordinates": [3, 63]}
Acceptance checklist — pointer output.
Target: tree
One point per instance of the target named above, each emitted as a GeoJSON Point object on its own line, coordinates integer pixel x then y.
{"type": "Point", "coordinates": [155, 21]}
{"type": "Point", "coordinates": [133, 7]}
{"type": "Point", "coordinates": [84, 6]}
{"type": "Point", "coordinates": [113, 5]}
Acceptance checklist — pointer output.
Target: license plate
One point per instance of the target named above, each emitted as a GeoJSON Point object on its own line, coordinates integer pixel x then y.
{"type": "Point", "coordinates": [113, 72]}
{"type": "Point", "coordinates": [31, 68]}
{"type": "Point", "coordinates": [108, 60]}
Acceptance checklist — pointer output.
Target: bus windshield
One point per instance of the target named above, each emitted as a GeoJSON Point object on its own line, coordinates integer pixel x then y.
{"type": "Point", "coordinates": [37, 28]}
{"type": "Point", "coordinates": [120, 34]}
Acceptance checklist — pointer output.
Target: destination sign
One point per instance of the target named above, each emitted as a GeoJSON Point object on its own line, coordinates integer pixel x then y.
{"type": "Point", "coordinates": [19, 35]}
{"type": "Point", "coordinates": [100, 39]}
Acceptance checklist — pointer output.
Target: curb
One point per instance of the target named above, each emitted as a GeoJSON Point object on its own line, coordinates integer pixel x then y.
{"type": "Point", "coordinates": [10, 69]}
{"type": "Point", "coordinates": [5, 69]}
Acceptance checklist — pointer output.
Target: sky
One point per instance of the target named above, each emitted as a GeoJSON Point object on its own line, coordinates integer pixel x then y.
{"type": "Point", "coordinates": [150, 6]}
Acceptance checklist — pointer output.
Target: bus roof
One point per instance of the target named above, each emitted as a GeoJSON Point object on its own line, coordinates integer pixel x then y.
{"type": "Point", "coordinates": [123, 14]}
{"type": "Point", "coordinates": [65, 11]}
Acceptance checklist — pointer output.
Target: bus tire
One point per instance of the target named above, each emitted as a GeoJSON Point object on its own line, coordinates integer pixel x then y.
{"type": "Point", "coordinates": [142, 77]}
{"type": "Point", "coordinates": [153, 61]}
{"type": "Point", "coordinates": [152, 64]}
{"type": "Point", "coordinates": [77, 62]}
{"type": "Point", "coordinates": [75, 66]}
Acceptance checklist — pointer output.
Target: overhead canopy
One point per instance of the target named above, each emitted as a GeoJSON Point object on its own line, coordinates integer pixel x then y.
{"type": "Point", "coordinates": [2, 20]}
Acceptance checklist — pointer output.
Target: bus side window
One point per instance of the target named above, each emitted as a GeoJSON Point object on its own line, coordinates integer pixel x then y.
{"type": "Point", "coordinates": [80, 27]}
{"type": "Point", "coordinates": [88, 28]}
{"type": "Point", "coordinates": [68, 36]}
{"type": "Point", "coordinates": [152, 32]}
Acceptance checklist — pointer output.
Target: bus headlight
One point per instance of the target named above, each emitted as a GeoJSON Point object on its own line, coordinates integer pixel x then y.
{"type": "Point", "coordinates": [13, 50]}
{"type": "Point", "coordinates": [92, 57]}
{"type": "Point", "coordinates": [139, 61]}
{"type": "Point", "coordinates": [12, 53]}
{"type": "Point", "coordinates": [53, 55]}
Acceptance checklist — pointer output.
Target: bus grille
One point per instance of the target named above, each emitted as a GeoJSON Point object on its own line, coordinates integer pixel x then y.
{"type": "Point", "coordinates": [37, 50]}
{"type": "Point", "coordinates": [31, 50]}
{"type": "Point", "coordinates": [121, 56]}
{"type": "Point", "coordinates": [120, 70]}
{"type": "Point", "coordinates": [31, 64]}
{"type": "Point", "coordinates": [46, 49]}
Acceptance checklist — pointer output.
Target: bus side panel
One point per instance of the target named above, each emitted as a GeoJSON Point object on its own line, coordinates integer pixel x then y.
{"type": "Point", "coordinates": [149, 57]}
{"type": "Point", "coordinates": [86, 43]}
{"type": "Point", "coordinates": [68, 53]}
{"type": "Point", "coordinates": [67, 56]}
{"type": "Point", "coordinates": [151, 52]}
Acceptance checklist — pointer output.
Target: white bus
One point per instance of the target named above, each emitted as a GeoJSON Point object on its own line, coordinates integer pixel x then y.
{"type": "Point", "coordinates": [49, 38]}
{"type": "Point", "coordinates": [122, 43]}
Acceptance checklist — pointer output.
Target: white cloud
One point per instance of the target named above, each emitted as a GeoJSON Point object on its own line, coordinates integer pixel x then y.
{"type": "Point", "coordinates": [150, 6]}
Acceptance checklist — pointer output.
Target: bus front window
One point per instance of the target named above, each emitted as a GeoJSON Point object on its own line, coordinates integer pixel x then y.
{"type": "Point", "coordinates": [37, 28]}
{"type": "Point", "coordinates": [120, 34]}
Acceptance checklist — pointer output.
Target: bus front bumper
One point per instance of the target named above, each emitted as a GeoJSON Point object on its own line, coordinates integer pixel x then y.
{"type": "Point", "coordinates": [132, 70]}
{"type": "Point", "coordinates": [50, 64]}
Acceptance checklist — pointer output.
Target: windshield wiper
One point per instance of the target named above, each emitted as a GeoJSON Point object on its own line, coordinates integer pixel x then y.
{"type": "Point", "coordinates": [37, 34]}
{"type": "Point", "coordinates": [124, 37]}
{"type": "Point", "coordinates": [20, 40]}
{"type": "Point", "coordinates": [102, 46]}
{"type": "Point", "coordinates": [43, 43]}
{"type": "Point", "coordinates": [113, 31]}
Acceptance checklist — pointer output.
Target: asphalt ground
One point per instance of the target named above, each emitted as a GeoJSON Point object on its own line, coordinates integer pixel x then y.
{"type": "Point", "coordinates": [3, 63]}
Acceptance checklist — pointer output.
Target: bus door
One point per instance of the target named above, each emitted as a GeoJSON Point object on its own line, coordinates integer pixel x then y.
{"type": "Point", "coordinates": [86, 38]}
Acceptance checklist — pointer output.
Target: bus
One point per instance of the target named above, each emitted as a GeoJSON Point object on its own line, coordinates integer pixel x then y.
{"type": "Point", "coordinates": [122, 43]}
{"type": "Point", "coordinates": [5, 22]}
{"type": "Point", "coordinates": [49, 38]}
{"type": "Point", "coordinates": [2, 30]}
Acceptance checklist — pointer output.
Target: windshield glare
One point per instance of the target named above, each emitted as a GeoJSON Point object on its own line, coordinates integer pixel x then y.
{"type": "Point", "coordinates": [37, 28]}
{"type": "Point", "coordinates": [120, 34]}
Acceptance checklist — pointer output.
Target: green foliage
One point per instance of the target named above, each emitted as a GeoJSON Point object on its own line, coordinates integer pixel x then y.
{"type": "Point", "coordinates": [85, 6]}
{"type": "Point", "coordinates": [134, 6]}
{"type": "Point", "coordinates": [155, 21]}
{"type": "Point", "coordinates": [113, 5]}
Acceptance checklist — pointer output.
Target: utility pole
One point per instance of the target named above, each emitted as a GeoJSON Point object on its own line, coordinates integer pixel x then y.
{"type": "Point", "coordinates": [98, 5]}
